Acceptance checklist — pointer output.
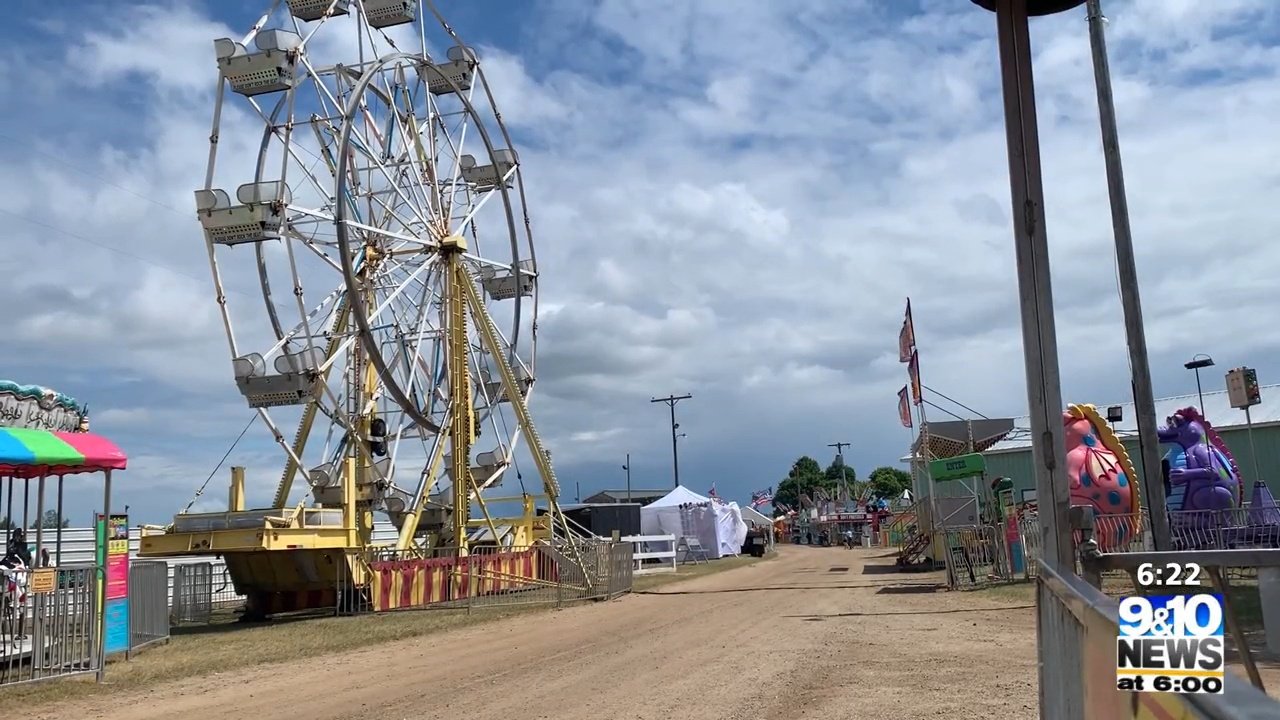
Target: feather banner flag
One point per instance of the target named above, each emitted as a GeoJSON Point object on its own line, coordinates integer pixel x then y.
{"type": "Point", "coordinates": [906, 336]}
{"type": "Point", "coordinates": [913, 371]}
{"type": "Point", "coordinates": [904, 408]}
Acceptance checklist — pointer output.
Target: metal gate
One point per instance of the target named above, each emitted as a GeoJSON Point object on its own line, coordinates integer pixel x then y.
{"type": "Point", "coordinates": [148, 603]}
{"type": "Point", "coordinates": [192, 593]}
{"type": "Point", "coordinates": [49, 623]}
{"type": "Point", "coordinates": [975, 555]}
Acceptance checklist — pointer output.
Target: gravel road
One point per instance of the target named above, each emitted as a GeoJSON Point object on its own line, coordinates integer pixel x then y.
{"type": "Point", "coordinates": [814, 633]}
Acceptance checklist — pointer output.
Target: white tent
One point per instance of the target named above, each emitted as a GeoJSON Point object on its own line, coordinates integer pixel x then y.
{"type": "Point", "coordinates": [754, 517]}
{"type": "Point", "coordinates": [684, 513]}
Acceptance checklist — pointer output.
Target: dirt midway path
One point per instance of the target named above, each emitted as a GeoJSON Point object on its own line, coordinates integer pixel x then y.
{"type": "Point", "coordinates": [817, 632]}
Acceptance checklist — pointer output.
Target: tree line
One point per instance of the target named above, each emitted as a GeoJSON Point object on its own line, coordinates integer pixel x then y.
{"type": "Point", "coordinates": [807, 475]}
{"type": "Point", "coordinates": [50, 521]}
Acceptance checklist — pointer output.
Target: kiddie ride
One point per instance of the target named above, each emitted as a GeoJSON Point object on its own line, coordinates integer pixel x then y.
{"type": "Point", "coordinates": [374, 171]}
{"type": "Point", "coordinates": [1205, 490]}
{"type": "Point", "coordinates": [1203, 485]}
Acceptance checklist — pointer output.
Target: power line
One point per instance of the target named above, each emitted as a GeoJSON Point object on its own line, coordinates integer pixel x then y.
{"type": "Point", "coordinates": [90, 241]}
{"type": "Point", "coordinates": [62, 161]}
{"type": "Point", "coordinates": [954, 402]}
{"type": "Point", "coordinates": [938, 407]}
{"type": "Point", "coordinates": [112, 248]}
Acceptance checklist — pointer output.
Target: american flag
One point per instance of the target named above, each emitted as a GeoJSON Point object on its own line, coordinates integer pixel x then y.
{"type": "Point", "coordinates": [761, 497]}
{"type": "Point", "coordinates": [712, 491]}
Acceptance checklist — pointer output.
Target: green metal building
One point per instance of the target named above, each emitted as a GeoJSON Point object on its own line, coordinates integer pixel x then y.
{"type": "Point", "coordinates": [1011, 456]}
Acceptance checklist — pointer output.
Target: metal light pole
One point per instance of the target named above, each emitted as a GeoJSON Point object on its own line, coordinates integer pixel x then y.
{"type": "Point", "coordinates": [627, 466]}
{"type": "Point", "coordinates": [671, 401]}
{"type": "Point", "coordinates": [1199, 361]}
{"type": "Point", "coordinates": [1143, 397]}
{"type": "Point", "coordinates": [1059, 639]}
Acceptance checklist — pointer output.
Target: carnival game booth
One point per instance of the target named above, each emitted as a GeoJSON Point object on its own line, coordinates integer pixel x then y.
{"type": "Point", "coordinates": [55, 620]}
{"type": "Point", "coordinates": [717, 527]}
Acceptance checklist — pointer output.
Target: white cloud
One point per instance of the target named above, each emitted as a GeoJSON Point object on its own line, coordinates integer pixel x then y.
{"type": "Point", "coordinates": [728, 199]}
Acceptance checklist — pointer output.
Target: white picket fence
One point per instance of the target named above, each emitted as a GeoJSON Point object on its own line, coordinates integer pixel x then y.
{"type": "Point", "coordinates": [646, 548]}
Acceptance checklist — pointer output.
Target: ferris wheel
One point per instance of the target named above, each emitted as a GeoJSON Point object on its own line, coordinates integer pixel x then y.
{"type": "Point", "coordinates": [373, 261]}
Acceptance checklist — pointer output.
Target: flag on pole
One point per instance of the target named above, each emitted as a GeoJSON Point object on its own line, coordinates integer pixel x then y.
{"type": "Point", "coordinates": [913, 371]}
{"type": "Point", "coordinates": [906, 337]}
{"type": "Point", "coordinates": [760, 498]}
{"type": "Point", "coordinates": [904, 408]}
{"type": "Point", "coordinates": [712, 491]}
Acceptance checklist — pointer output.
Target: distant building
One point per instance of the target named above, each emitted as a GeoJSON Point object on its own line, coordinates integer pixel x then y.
{"type": "Point", "coordinates": [644, 497]}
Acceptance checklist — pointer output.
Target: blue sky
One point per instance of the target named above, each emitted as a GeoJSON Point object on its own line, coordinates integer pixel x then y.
{"type": "Point", "coordinates": [730, 199]}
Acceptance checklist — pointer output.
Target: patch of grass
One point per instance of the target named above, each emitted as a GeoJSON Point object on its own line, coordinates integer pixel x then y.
{"type": "Point", "coordinates": [1019, 592]}
{"type": "Point", "coordinates": [225, 645]}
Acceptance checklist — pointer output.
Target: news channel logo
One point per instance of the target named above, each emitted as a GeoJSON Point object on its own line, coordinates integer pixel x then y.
{"type": "Point", "coordinates": [1171, 644]}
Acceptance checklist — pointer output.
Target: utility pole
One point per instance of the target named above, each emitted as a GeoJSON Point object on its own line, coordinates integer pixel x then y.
{"type": "Point", "coordinates": [844, 484]}
{"type": "Point", "coordinates": [627, 467]}
{"type": "Point", "coordinates": [1143, 396]}
{"type": "Point", "coordinates": [671, 401]}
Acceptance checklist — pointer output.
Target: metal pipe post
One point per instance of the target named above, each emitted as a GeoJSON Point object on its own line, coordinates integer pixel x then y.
{"type": "Point", "coordinates": [57, 548]}
{"type": "Point", "coordinates": [1253, 449]}
{"type": "Point", "coordinates": [1143, 397]}
{"type": "Point", "coordinates": [628, 468]}
{"type": "Point", "coordinates": [1058, 635]}
{"type": "Point", "coordinates": [101, 585]}
{"type": "Point", "coordinates": [38, 559]}
{"type": "Point", "coordinates": [1199, 392]}
{"type": "Point", "coordinates": [8, 515]}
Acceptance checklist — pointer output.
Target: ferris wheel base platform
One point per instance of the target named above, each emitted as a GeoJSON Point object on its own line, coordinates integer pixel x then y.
{"type": "Point", "coordinates": [327, 567]}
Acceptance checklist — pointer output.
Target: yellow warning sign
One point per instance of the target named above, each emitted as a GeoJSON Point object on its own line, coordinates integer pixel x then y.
{"type": "Point", "coordinates": [44, 580]}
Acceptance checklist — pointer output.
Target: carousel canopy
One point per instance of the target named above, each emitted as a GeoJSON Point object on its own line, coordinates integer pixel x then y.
{"type": "Point", "coordinates": [32, 453]}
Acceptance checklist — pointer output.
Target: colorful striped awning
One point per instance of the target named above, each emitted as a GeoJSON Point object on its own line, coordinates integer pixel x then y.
{"type": "Point", "coordinates": [32, 453]}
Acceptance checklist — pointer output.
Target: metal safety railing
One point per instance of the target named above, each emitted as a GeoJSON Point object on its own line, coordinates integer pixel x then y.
{"type": "Point", "coordinates": [975, 555]}
{"type": "Point", "coordinates": [192, 593]}
{"type": "Point", "coordinates": [1091, 680]}
{"type": "Point", "coordinates": [199, 589]}
{"type": "Point", "coordinates": [148, 603]}
{"type": "Point", "coordinates": [49, 623]}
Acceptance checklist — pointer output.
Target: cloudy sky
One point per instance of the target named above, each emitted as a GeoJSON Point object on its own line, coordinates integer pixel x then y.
{"type": "Point", "coordinates": [731, 199]}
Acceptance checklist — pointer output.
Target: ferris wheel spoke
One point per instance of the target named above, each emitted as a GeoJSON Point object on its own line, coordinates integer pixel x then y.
{"type": "Point", "coordinates": [310, 315]}
{"type": "Point", "coordinates": [377, 313]}
{"type": "Point", "coordinates": [457, 153]}
{"type": "Point", "coordinates": [484, 200]}
{"type": "Point", "coordinates": [386, 173]}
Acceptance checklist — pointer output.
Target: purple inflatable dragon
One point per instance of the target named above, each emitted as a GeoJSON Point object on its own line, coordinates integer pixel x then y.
{"type": "Point", "coordinates": [1209, 475]}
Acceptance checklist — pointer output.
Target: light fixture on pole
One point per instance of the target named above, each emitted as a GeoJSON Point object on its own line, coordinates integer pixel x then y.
{"type": "Point", "coordinates": [844, 484]}
{"type": "Point", "coordinates": [1199, 361]}
{"type": "Point", "coordinates": [671, 401]}
{"type": "Point", "coordinates": [1115, 414]}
